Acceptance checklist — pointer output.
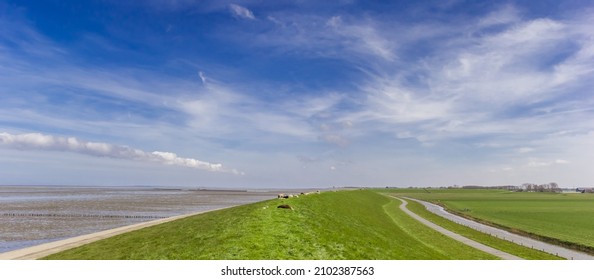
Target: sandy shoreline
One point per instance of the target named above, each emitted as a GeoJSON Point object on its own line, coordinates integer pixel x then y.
{"type": "Point", "coordinates": [46, 249]}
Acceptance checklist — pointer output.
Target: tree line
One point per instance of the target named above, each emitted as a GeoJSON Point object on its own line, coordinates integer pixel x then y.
{"type": "Point", "coordinates": [550, 187]}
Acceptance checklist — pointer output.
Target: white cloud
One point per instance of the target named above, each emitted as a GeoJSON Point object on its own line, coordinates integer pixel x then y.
{"type": "Point", "coordinates": [37, 141]}
{"type": "Point", "coordinates": [349, 39]}
{"type": "Point", "coordinates": [221, 111]}
{"type": "Point", "coordinates": [321, 106]}
{"type": "Point", "coordinates": [542, 163]}
{"type": "Point", "coordinates": [487, 81]}
{"type": "Point", "coordinates": [274, 20]}
{"type": "Point", "coordinates": [389, 101]}
{"type": "Point", "coordinates": [241, 12]}
{"type": "Point", "coordinates": [362, 37]}
{"type": "Point", "coordinates": [524, 150]}
{"type": "Point", "coordinates": [466, 86]}
{"type": "Point", "coordinates": [335, 139]}
{"type": "Point", "coordinates": [202, 77]}
{"type": "Point", "coordinates": [506, 15]}
{"type": "Point", "coordinates": [538, 163]}
{"type": "Point", "coordinates": [502, 68]}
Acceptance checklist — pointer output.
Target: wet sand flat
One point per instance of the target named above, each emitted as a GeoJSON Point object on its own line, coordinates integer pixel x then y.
{"type": "Point", "coordinates": [46, 249]}
{"type": "Point", "coordinates": [32, 215]}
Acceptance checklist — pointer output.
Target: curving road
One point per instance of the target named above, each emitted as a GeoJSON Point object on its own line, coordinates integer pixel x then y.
{"type": "Point", "coordinates": [455, 236]}
{"type": "Point", "coordinates": [518, 239]}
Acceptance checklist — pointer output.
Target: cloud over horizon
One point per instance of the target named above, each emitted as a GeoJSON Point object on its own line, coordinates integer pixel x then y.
{"type": "Point", "coordinates": [38, 141]}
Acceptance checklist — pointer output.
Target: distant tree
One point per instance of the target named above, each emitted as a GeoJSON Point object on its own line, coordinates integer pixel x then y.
{"type": "Point", "coordinates": [529, 187]}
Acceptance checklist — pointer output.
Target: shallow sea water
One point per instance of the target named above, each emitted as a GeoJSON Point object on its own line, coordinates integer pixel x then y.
{"type": "Point", "coordinates": [32, 215]}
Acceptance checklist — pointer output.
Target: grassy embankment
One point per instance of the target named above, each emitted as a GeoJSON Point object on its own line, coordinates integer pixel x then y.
{"type": "Point", "coordinates": [563, 219]}
{"type": "Point", "coordinates": [333, 225]}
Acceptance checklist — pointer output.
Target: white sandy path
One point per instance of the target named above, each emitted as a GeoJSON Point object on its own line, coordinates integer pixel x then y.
{"type": "Point", "coordinates": [518, 239]}
{"type": "Point", "coordinates": [458, 237]}
{"type": "Point", "coordinates": [46, 249]}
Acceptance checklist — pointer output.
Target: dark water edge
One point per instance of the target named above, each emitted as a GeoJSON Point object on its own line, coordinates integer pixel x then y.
{"type": "Point", "coordinates": [33, 215]}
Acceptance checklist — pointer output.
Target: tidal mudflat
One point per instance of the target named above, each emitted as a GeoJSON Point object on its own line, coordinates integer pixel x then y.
{"type": "Point", "coordinates": [31, 215]}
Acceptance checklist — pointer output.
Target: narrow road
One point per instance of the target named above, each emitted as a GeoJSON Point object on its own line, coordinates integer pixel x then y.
{"type": "Point", "coordinates": [46, 249]}
{"type": "Point", "coordinates": [518, 239]}
{"type": "Point", "coordinates": [455, 236]}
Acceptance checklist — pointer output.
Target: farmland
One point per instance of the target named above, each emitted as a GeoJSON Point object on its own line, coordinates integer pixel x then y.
{"type": "Point", "coordinates": [560, 218]}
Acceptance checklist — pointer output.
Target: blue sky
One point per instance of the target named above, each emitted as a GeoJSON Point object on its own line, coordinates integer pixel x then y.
{"type": "Point", "coordinates": [296, 93]}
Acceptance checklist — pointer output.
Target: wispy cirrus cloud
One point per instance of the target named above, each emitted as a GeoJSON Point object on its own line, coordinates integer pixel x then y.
{"type": "Point", "coordinates": [361, 37]}
{"type": "Point", "coordinates": [38, 141]}
{"type": "Point", "coordinates": [489, 82]}
{"type": "Point", "coordinates": [336, 36]}
{"type": "Point", "coordinates": [119, 100]}
{"type": "Point", "coordinates": [505, 15]}
{"type": "Point", "coordinates": [222, 111]}
{"type": "Point", "coordinates": [486, 76]}
{"type": "Point", "coordinates": [241, 12]}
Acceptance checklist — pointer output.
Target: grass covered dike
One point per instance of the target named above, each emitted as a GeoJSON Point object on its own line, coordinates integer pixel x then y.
{"type": "Point", "coordinates": [359, 224]}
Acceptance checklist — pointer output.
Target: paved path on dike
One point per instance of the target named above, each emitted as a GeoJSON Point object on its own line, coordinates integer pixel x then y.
{"type": "Point", "coordinates": [46, 249]}
{"type": "Point", "coordinates": [518, 239]}
{"type": "Point", "coordinates": [458, 237]}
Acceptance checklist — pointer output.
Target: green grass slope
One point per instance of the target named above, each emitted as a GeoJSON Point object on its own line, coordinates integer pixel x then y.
{"type": "Point", "coordinates": [333, 225]}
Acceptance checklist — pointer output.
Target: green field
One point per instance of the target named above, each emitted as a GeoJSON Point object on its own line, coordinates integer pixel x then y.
{"type": "Point", "coordinates": [332, 225]}
{"type": "Point", "coordinates": [489, 240]}
{"type": "Point", "coordinates": [566, 219]}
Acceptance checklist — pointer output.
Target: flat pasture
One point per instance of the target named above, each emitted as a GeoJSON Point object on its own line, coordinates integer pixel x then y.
{"type": "Point", "coordinates": [561, 218]}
